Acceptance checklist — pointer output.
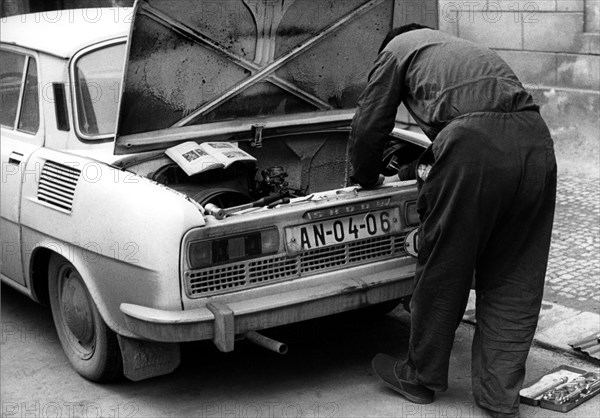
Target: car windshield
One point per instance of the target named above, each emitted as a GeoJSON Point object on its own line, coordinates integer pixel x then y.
{"type": "Point", "coordinates": [98, 77]}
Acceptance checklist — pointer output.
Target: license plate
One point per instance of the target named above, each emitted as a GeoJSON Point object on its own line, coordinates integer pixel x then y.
{"type": "Point", "coordinates": [342, 230]}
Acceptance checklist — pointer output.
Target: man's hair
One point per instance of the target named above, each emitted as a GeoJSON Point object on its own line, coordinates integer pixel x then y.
{"type": "Point", "coordinates": [399, 31]}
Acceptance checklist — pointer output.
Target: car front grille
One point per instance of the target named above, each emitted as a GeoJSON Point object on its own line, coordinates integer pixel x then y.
{"type": "Point", "coordinates": [216, 279]}
{"type": "Point", "coordinates": [272, 268]}
{"type": "Point", "coordinates": [267, 270]}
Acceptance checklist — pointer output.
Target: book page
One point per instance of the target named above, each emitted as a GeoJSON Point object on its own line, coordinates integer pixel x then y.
{"type": "Point", "coordinates": [192, 158]}
{"type": "Point", "coordinates": [226, 153]}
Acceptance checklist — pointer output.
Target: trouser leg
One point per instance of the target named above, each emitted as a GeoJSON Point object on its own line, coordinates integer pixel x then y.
{"type": "Point", "coordinates": [448, 241]}
{"type": "Point", "coordinates": [510, 282]}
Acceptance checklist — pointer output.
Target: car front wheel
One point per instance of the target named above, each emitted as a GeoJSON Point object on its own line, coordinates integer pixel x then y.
{"type": "Point", "coordinates": [91, 347]}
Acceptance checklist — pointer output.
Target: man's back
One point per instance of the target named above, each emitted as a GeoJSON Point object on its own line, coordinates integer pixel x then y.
{"type": "Point", "coordinates": [445, 77]}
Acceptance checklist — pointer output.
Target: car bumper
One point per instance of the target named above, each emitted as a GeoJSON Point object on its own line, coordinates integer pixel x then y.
{"type": "Point", "coordinates": [326, 294]}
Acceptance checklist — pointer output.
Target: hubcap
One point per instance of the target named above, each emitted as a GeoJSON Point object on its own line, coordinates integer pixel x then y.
{"type": "Point", "coordinates": [76, 309]}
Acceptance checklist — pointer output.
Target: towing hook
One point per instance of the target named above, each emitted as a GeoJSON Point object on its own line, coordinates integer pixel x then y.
{"type": "Point", "coordinates": [266, 342]}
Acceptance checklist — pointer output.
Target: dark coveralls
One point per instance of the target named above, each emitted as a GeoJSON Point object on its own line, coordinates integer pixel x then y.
{"type": "Point", "coordinates": [487, 205]}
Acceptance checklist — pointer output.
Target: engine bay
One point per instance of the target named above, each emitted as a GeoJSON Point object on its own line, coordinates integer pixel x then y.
{"type": "Point", "coordinates": [284, 168]}
{"type": "Point", "coordinates": [237, 185]}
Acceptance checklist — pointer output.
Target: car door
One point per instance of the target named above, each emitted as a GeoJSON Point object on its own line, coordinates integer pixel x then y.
{"type": "Point", "coordinates": [22, 134]}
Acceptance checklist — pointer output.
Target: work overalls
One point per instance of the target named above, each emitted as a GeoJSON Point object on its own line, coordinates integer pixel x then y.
{"type": "Point", "coordinates": [486, 206]}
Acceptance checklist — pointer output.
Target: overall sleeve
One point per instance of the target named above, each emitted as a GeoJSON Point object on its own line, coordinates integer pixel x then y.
{"type": "Point", "coordinates": [374, 119]}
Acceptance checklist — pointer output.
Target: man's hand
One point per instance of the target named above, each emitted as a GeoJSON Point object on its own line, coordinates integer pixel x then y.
{"type": "Point", "coordinates": [378, 183]}
{"type": "Point", "coordinates": [369, 185]}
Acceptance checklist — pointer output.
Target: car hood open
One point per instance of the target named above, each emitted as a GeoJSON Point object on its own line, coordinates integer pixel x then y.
{"type": "Point", "coordinates": [195, 66]}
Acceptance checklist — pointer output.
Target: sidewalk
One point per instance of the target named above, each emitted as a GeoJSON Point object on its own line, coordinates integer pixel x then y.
{"type": "Point", "coordinates": [573, 276]}
{"type": "Point", "coordinates": [572, 295]}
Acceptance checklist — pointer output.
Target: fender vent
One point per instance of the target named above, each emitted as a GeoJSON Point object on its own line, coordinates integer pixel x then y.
{"type": "Point", "coordinates": [57, 185]}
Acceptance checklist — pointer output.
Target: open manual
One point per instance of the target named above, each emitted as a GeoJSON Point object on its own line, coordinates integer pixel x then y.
{"type": "Point", "coordinates": [195, 158]}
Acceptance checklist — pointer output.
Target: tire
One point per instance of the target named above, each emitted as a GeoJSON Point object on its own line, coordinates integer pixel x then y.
{"type": "Point", "coordinates": [91, 347]}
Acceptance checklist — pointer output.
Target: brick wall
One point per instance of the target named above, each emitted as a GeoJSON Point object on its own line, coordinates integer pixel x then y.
{"type": "Point", "coordinates": [554, 47]}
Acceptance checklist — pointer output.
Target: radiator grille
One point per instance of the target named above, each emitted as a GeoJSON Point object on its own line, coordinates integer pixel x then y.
{"type": "Point", "coordinates": [324, 258]}
{"type": "Point", "coordinates": [370, 248]}
{"type": "Point", "coordinates": [216, 279]}
{"type": "Point", "coordinates": [57, 185]}
{"type": "Point", "coordinates": [272, 269]}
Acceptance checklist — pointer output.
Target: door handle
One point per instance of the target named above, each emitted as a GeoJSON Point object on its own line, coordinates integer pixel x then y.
{"type": "Point", "coordinates": [15, 158]}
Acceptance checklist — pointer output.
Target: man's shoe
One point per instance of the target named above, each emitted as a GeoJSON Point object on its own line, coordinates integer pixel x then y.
{"type": "Point", "coordinates": [384, 367]}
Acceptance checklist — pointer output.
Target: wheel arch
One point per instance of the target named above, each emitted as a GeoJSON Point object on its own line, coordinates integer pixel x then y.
{"type": "Point", "coordinates": [38, 272]}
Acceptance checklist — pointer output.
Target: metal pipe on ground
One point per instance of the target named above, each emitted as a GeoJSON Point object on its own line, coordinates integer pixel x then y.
{"type": "Point", "coordinates": [266, 342]}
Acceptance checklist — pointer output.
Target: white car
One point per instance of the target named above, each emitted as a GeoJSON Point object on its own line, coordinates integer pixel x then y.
{"type": "Point", "coordinates": [134, 255]}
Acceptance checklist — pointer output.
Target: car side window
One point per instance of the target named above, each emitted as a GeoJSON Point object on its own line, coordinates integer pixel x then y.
{"type": "Point", "coordinates": [11, 77]}
{"type": "Point", "coordinates": [98, 75]}
{"type": "Point", "coordinates": [19, 97]}
{"type": "Point", "coordinates": [29, 120]}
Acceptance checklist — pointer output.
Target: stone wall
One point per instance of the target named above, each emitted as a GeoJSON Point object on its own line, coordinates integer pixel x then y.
{"type": "Point", "coordinates": [554, 47]}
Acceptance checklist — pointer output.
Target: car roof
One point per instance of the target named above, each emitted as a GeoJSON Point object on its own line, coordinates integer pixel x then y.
{"type": "Point", "coordinates": [64, 32]}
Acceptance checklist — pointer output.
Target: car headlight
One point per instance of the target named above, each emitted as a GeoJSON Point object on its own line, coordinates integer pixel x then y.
{"type": "Point", "coordinates": [238, 247]}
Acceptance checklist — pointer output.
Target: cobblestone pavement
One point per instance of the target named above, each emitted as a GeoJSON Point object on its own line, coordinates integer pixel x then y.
{"type": "Point", "coordinates": [573, 277]}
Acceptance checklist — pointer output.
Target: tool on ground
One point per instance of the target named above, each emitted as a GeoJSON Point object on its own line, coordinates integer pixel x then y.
{"type": "Point", "coordinates": [545, 387]}
{"type": "Point", "coordinates": [577, 388]}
